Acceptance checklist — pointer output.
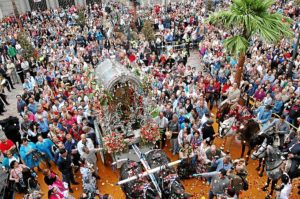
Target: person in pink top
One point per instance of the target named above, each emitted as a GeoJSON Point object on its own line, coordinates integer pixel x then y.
{"type": "Point", "coordinates": [54, 193]}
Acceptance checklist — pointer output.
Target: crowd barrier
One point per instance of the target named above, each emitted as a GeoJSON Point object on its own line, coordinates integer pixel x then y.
{"type": "Point", "coordinates": [177, 46]}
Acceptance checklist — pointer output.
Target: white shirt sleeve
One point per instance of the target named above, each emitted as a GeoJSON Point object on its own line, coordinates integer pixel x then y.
{"type": "Point", "coordinates": [90, 144]}
{"type": "Point", "coordinates": [79, 148]}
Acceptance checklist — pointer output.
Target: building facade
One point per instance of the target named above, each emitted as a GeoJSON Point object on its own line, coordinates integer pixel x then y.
{"type": "Point", "coordinates": [6, 7]}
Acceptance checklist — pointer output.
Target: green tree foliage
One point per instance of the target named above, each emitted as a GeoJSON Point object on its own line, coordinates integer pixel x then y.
{"type": "Point", "coordinates": [27, 48]}
{"type": "Point", "coordinates": [148, 31]}
{"type": "Point", "coordinates": [81, 19]}
{"type": "Point", "coordinates": [251, 18]}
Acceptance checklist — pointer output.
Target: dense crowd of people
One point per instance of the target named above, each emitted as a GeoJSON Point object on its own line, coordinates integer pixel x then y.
{"type": "Point", "coordinates": [58, 103]}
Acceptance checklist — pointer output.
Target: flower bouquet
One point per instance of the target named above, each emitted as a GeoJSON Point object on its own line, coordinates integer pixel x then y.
{"type": "Point", "coordinates": [114, 142]}
{"type": "Point", "coordinates": [150, 133]}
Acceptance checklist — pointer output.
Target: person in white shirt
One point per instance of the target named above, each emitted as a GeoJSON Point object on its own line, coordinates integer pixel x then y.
{"type": "Point", "coordinates": [162, 123]}
{"type": "Point", "coordinates": [267, 100]}
{"type": "Point", "coordinates": [286, 187]}
{"type": "Point", "coordinates": [84, 142]}
{"type": "Point", "coordinates": [81, 114]}
{"type": "Point", "coordinates": [184, 136]}
{"type": "Point", "coordinates": [25, 66]}
{"type": "Point", "coordinates": [233, 94]}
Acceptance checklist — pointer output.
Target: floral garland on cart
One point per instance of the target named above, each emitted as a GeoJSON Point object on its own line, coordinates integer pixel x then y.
{"type": "Point", "coordinates": [150, 133]}
{"type": "Point", "coordinates": [114, 143]}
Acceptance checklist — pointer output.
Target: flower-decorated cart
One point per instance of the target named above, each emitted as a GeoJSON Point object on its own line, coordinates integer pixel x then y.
{"type": "Point", "coordinates": [125, 109]}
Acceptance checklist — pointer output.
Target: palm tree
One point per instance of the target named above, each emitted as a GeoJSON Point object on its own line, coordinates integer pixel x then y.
{"type": "Point", "coordinates": [250, 18]}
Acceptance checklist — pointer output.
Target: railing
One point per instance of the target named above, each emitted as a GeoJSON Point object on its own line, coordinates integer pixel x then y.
{"type": "Point", "coordinates": [177, 45]}
{"type": "Point", "coordinates": [291, 125]}
{"type": "Point", "coordinates": [99, 138]}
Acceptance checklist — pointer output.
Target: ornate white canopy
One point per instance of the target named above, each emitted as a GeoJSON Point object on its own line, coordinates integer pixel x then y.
{"type": "Point", "coordinates": [110, 73]}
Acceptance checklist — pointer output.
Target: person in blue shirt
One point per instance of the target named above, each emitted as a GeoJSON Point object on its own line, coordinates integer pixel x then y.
{"type": "Point", "coordinates": [45, 146]}
{"type": "Point", "coordinates": [264, 114]}
{"type": "Point", "coordinates": [278, 105]}
{"type": "Point", "coordinates": [222, 79]}
{"type": "Point", "coordinates": [218, 165]}
{"type": "Point", "coordinates": [27, 151]}
{"type": "Point", "coordinates": [98, 36]}
{"type": "Point", "coordinates": [201, 109]}
{"type": "Point", "coordinates": [9, 157]}
{"type": "Point", "coordinates": [251, 90]}
{"type": "Point", "coordinates": [181, 118]}
{"type": "Point", "coordinates": [223, 163]}
{"type": "Point", "coordinates": [268, 77]}
{"type": "Point", "coordinates": [282, 128]}
{"type": "Point", "coordinates": [32, 106]}
{"type": "Point", "coordinates": [20, 104]}
{"type": "Point", "coordinates": [43, 126]}
{"type": "Point", "coordinates": [157, 84]}
{"type": "Point", "coordinates": [186, 123]}
{"type": "Point", "coordinates": [28, 85]}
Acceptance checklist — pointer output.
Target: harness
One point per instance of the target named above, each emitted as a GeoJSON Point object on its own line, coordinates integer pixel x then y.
{"type": "Point", "coordinates": [264, 149]}
{"type": "Point", "coordinates": [274, 167]}
{"type": "Point", "coordinates": [271, 169]}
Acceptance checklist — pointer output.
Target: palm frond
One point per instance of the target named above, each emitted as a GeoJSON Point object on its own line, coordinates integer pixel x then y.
{"type": "Point", "coordinates": [223, 18]}
{"type": "Point", "coordinates": [252, 17]}
{"type": "Point", "coordinates": [236, 44]}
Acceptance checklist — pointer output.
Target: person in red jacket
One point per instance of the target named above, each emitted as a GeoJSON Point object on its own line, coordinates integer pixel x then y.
{"type": "Point", "coordinates": [217, 86]}
{"type": "Point", "coordinates": [225, 87]}
{"type": "Point", "coordinates": [6, 145]}
{"type": "Point", "coordinates": [76, 131]}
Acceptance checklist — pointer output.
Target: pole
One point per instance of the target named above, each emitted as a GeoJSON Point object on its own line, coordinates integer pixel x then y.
{"type": "Point", "coordinates": [147, 167]}
{"type": "Point", "coordinates": [151, 171]}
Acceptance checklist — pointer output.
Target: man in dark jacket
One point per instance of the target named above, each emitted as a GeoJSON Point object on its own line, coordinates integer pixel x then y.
{"type": "Point", "coordinates": [65, 167]}
{"type": "Point", "coordinates": [294, 156]}
{"type": "Point", "coordinates": [208, 131]}
{"type": "Point", "coordinates": [71, 147]}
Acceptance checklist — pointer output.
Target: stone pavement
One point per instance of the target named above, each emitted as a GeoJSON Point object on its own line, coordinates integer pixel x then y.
{"type": "Point", "coordinates": [193, 61]}
{"type": "Point", "coordinates": [11, 98]}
